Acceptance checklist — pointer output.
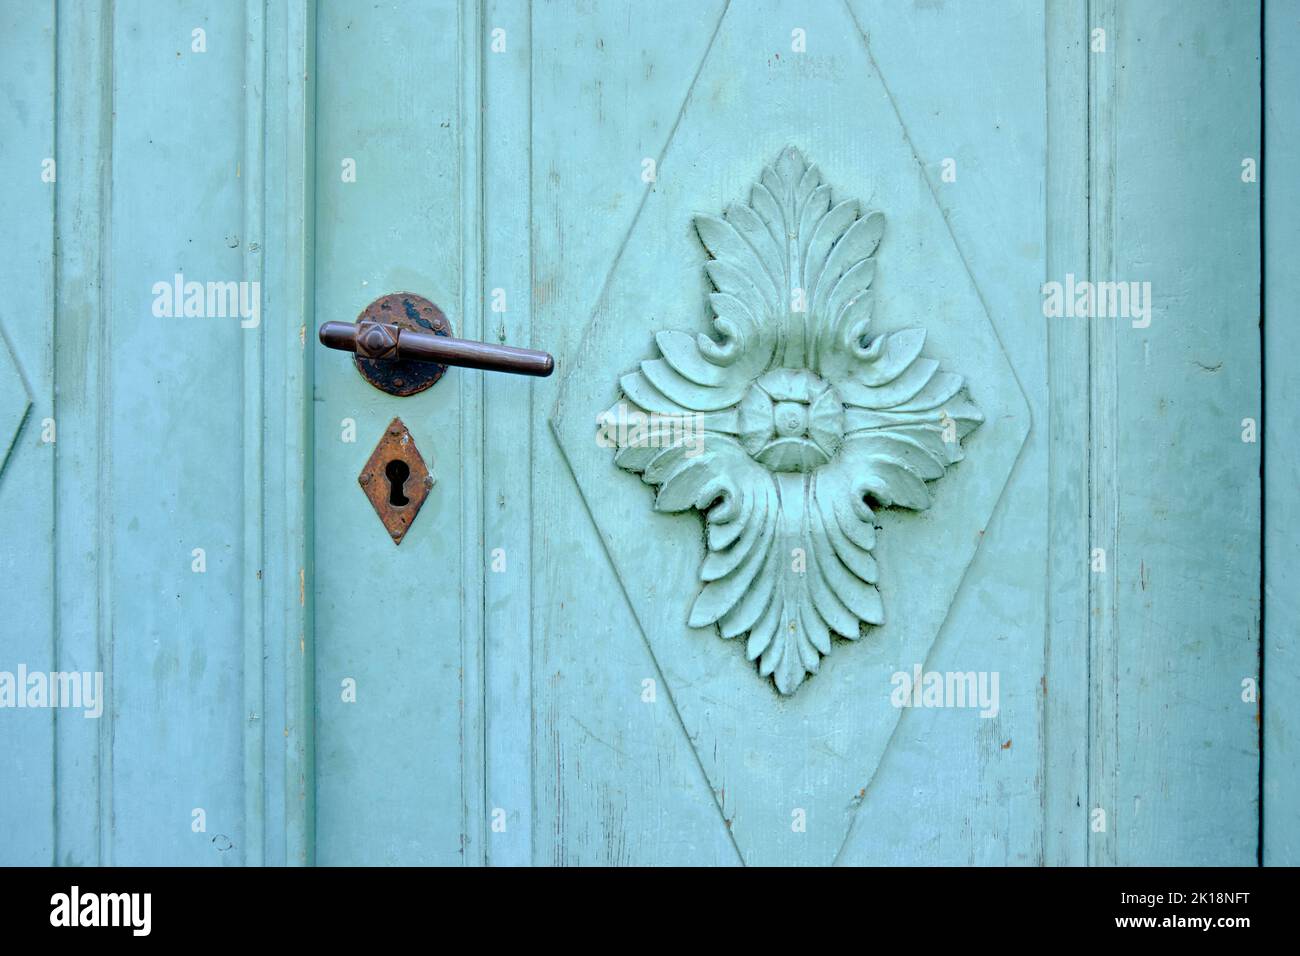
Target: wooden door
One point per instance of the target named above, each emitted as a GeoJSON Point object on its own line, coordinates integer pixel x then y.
{"type": "Point", "coordinates": [621, 183]}
{"type": "Point", "coordinates": [896, 499]}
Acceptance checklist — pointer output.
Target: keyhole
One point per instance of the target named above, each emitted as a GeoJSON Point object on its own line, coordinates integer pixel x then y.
{"type": "Point", "coordinates": [397, 471]}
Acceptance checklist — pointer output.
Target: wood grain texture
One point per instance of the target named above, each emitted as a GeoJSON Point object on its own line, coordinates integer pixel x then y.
{"type": "Point", "coordinates": [949, 789]}
{"type": "Point", "coordinates": [83, 141]}
{"type": "Point", "coordinates": [27, 631]}
{"type": "Point", "coordinates": [508, 410]}
{"type": "Point", "coordinates": [527, 687]}
{"type": "Point", "coordinates": [288, 189]}
{"type": "Point", "coordinates": [617, 780]}
{"type": "Point", "coordinates": [253, 401]}
{"type": "Point", "coordinates": [398, 771]}
{"type": "Point", "coordinates": [773, 761]}
{"type": "Point", "coordinates": [1066, 689]}
{"type": "Point", "coordinates": [470, 460]}
{"type": "Point", "coordinates": [182, 647]}
{"type": "Point", "coordinates": [1183, 750]}
{"type": "Point", "coordinates": [1281, 200]}
{"type": "Point", "coordinates": [1103, 426]}
{"type": "Point", "coordinates": [174, 433]}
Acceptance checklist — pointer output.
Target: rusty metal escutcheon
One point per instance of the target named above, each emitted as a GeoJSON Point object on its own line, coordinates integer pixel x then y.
{"type": "Point", "coordinates": [406, 310]}
{"type": "Point", "coordinates": [396, 479]}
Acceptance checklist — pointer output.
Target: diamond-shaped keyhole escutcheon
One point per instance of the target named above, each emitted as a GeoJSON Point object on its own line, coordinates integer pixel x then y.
{"type": "Point", "coordinates": [396, 480]}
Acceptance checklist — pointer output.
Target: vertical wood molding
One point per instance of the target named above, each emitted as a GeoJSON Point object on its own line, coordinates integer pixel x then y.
{"type": "Point", "coordinates": [274, 409]}
{"type": "Point", "coordinates": [1279, 425]}
{"type": "Point", "coordinates": [506, 487]}
{"type": "Point", "coordinates": [1174, 617]}
{"type": "Point", "coordinates": [83, 399]}
{"type": "Point", "coordinates": [280, 191]}
{"type": "Point", "coordinates": [27, 751]}
{"type": "Point", "coordinates": [470, 452]}
{"type": "Point", "coordinates": [300, 233]}
{"type": "Point", "coordinates": [253, 566]}
{"type": "Point", "coordinates": [1065, 690]}
{"type": "Point", "coordinates": [1103, 422]}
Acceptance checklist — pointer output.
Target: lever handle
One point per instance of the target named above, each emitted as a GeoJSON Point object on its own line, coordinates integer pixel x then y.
{"type": "Point", "coordinates": [380, 340]}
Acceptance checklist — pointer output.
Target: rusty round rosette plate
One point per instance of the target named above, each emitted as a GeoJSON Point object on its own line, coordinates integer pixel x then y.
{"type": "Point", "coordinates": [401, 376]}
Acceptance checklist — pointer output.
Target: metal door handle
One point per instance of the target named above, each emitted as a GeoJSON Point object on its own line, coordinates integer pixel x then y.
{"type": "Point", "coordinates": [403, 345]}
{"type": "Point", "coordinates": [377, 340]}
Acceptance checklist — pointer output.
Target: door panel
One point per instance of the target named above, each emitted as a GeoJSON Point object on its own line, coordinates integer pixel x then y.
{"type": "Point", "coordinates": [789, 769]}
{"type": "Point", "coordinates": [146, 514]}
{"type": "Point", "coordinates": [1177, 627]}
{"type": "Point", "coordinates": [26, 392]}
{"type": "Point", "coordinates": [606, 759]}
{"type": "Point", "coordinates": [390, 775]}
{"type": "Point", "coordinates": [1280, 799]}
{"type": "Point", "coordinates": [519, 680]}
{"type": "Point", "coordinates": [144, 543]}
{"type": "Point", "coordinates": [952, 787]}
{"type": "Point", "coordinates": [1081, 660]}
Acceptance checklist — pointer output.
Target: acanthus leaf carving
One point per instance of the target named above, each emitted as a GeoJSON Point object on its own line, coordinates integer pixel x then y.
{"type": "Point", "coordinates": [793, 425]}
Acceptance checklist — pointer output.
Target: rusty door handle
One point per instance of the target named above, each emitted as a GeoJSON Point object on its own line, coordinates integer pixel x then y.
{"type": "Point", "coordinates": [403, 345]}
{"type": "Point", "coordinates": [378, 340]}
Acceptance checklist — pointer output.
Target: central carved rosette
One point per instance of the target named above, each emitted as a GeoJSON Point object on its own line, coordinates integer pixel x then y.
{"type": "Point", "coordinates": [791, 420]}
{"type": "Point", "coordinates": [806, 422]}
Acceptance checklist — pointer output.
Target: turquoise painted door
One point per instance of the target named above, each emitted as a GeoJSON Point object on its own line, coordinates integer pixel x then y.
{"type": "Point", "coordinates": [896, 499]}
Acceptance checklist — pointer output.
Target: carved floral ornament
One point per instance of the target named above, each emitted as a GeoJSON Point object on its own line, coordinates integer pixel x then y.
{"type": "Point", "coordinates": [786, 429]}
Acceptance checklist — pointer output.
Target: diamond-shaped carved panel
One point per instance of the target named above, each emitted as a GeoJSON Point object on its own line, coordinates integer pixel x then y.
{"type": "Point", "coordinates": [780, 430]}
{"type": "Point", "coordinates": [772, 755]}
{"type": "Point", "coordinates": [396, 480]}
